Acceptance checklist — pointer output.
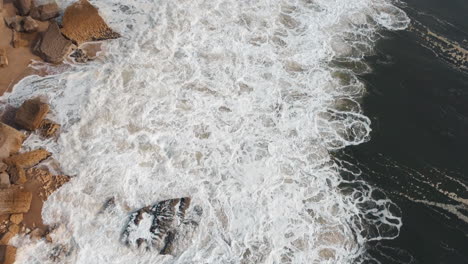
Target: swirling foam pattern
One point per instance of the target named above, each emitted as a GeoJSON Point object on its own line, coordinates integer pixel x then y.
{"type": "Point", "coordinates": [237, 104]}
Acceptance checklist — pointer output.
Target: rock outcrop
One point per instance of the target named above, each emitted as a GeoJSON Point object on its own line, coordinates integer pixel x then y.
{"type": "Point", "coordinates": [28, 159]}
{"type": "Point", "coordinates": [44, 10]}
{"type": "Point", "coordinates": [82, 23]}
{"type": "Point", "coordinates": [10, 140]}
{"type": "Point", "coordinates": [31, 114]}
{"type": "Point", "coordinates": [14, 201]}
{"type": "Point", "coordinates": [52, 46]}
{"type": "Point", "coordinates": [162, 226]}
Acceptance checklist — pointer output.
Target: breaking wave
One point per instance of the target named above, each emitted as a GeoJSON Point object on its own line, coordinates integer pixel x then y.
{"type": "Point", "coordinates": [237, 104]}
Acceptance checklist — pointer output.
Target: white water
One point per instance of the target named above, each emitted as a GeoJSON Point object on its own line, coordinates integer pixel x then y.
{"type": "Point", "coordinates": [233, 103]}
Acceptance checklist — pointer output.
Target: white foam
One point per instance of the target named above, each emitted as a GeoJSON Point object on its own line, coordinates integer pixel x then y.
{"type": "Point", "coordinates": [236, 104]}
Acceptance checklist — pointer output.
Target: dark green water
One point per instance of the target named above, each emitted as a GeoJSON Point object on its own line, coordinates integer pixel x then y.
{"type": "Point", "coordinates": [418, 154]}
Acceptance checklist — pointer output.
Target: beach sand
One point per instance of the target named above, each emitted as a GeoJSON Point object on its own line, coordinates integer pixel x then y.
{"type": "Point", "coordinates": [19, 58]}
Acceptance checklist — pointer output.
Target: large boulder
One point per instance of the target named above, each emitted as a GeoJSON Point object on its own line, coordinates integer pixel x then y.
{"type": "Point", "coordinates": [165, 226]}
{"type": "Point", "coordinates": [44, 10]}
{"type": "Point", "coordinates": [82, 23]}
{"type": "Point", "coordinates": [52, 46]}
{"type": "Point", "coordinates": [24, 6]}
{"type": "Point", "coordinates": [31, 114]}
{"type": "Point", "coordinates": [14, 201]}
{"type": "Point", "coordinates": [10, 140]}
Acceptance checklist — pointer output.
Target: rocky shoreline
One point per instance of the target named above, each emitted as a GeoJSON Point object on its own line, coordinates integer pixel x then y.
{"type": "Point", "coordinates": [30, 33]}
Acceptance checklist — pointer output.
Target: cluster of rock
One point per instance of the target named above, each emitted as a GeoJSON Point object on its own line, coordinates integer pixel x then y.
{"type": "Point", "coordinates": [167, 226]}
{"type": "Point", "coordinates": [81, 23]}
{"type": "Point", "coordinates": [21, 181]}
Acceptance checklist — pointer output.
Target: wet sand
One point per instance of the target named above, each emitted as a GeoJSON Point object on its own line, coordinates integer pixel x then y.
{"type": "Point", "coordinates": [19, 58]}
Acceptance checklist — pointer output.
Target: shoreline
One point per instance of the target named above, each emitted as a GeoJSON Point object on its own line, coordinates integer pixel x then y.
{"type": "Point", "coordinates": [25, 179]}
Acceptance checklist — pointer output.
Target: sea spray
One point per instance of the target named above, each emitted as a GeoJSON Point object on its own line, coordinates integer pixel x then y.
{"type": "Point", "coordinates": [237, 104]}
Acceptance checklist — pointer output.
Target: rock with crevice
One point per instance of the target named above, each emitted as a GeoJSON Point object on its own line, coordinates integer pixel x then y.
{"type": "Point", "coordinates": [163, 227]}
{"type": "Point", "coordinates": [82, 23]}
{"type": "Point", "coordinates": [28, 159]}
{"type": "Point", "coordinates": [53, 46]}
{"type": "Point", "coordinates": [17, 174]}
{"type": "Point", "coordinates": [3, 58]}
{"type": "Point", "coordinates": [31, 114]}
{"type": "Point", "coordinates": [10, 140]}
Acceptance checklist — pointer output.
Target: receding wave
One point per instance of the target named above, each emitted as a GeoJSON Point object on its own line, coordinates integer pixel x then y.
{"type": "Point", "coordinates": [236, 104]}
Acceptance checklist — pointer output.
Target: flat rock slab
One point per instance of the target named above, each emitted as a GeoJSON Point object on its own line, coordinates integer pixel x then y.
{"type": "Point", "coordinates": [14, 201]}
{"type": "Point", "coordinates": [82, 23]}
{"type": "Point", "coordinates": [53, 46]}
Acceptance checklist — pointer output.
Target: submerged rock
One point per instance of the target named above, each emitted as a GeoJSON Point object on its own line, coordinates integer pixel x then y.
{"type": "Point", "coordinates": [31, 114]}
{"type": "Point", "coordinates": [165, 226]}
{"type": "Point", "coordinates": [82, 23]}
{"type": "Point", "coordinates": [53, 46]}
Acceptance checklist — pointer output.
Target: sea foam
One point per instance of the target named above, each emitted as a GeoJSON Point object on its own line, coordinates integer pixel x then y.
{"type": "Point", "coordinates": [237, 104]}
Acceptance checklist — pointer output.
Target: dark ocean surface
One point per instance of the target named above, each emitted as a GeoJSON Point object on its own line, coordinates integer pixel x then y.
{"type": "Point", "coordinates": [418, 154]}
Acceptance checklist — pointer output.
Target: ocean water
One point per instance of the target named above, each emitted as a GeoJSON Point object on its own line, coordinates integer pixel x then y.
{"type": "Point", "coordinates": [237, 104]}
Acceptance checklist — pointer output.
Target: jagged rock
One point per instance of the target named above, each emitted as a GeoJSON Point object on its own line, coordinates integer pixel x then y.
{"type": "Point", "coordinates": [28, 159]}
{"type": "Point", "coordinates": [52, 46]}
{"type": "Point", "coordinates": [24, 6]}
{"type": "Point", "coordinates": [16, 218]}
{"type": "Point", "coordinates": [82, 23]}
{"type": "Point", "coordinates": [19, 40]}
{"type": "Point", "coordinates": [10, 140]}
{"type": "Point", "coordinates": [37, 233]}
{"type": "Point", "coordinates": [3, 58]}
{"type": "Point", "coordinates": [49, 182]}
{"type": "Point", "coordinates": [30, 25]}
{"type": "Point", "coordinates": [49, 128]}
{"type": "Point", "coordinates": [14, 201]}
{"type": "Point", "coordinates": [80, 56]}
{"type": "Point", "coordinates": [14, 22]}
{"type": "Point", "coordinates": [44, 10]}
{"type": "Point", "coordinates": [31, 114]}
{"type": "Point", "coordinates": [4, 180]}
{"type": "Point", "coordinates": [162, 226]}
{"type": "Point", "coordinates": [17, 174]}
